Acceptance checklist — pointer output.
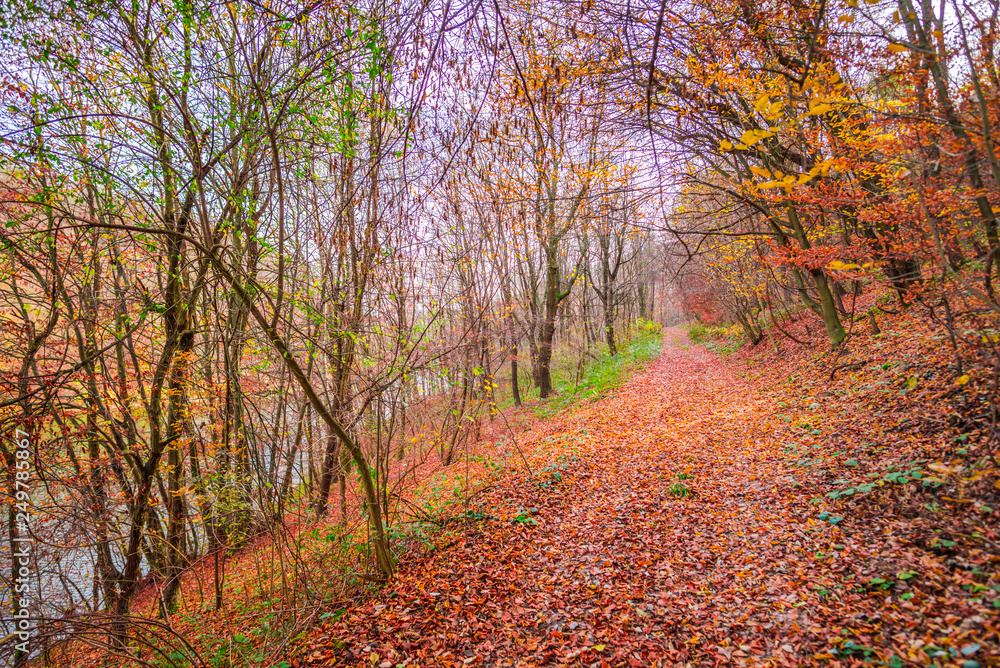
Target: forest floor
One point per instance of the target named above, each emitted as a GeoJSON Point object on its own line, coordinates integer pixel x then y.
{"type": "Point", "coordinates": [692, 518]}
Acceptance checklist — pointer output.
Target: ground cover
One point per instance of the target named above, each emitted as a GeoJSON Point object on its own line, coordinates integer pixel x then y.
{"type": "Point", "coordinates": [716, 510]}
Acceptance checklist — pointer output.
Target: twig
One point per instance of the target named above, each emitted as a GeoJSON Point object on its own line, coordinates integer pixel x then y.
{"type": "Point", "coordinates": [847, 366]}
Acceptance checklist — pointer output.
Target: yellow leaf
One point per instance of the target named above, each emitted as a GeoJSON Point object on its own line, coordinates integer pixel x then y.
{"type": "Point", "coordinates": [598, 648]}
{"type": "Point", "coordinates": [725, 145]}
{"type": "Point", "coordinates": [997, 484]}
{"type": "Point", "coordinates": [820, 109]}
{"type": "Point", "coordinates": [836, 265]}
{"type": "Point", "coordinates": [741, 147]}
{"type": "Point", "coordinates": [751, 137]}
{"type": "Point", "coordinates": [897, 47]}
{"type": "Point", "coordinates": [962, 380]}
{"type": "Point", "coordinates": [763, 173]}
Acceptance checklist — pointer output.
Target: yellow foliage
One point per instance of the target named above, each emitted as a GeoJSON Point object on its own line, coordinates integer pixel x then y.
{"type": "Point", "coordinates": [751, 137]}
{"type": "Point", "coordinates": [837, 265]}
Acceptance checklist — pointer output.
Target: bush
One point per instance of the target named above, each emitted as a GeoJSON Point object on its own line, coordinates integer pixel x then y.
{"type": "Point", "coordinates": [643, 326]}
{"type": "Point", "coordinates": [716, 338]}
{"type": "Point", "coordinates": [698, 332]}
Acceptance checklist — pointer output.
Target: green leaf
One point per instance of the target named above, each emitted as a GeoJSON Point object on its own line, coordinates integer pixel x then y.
{"type": "Point", "coordinates": [969, 650]}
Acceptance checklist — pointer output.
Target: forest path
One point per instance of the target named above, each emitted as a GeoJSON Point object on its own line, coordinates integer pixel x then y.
{"type": "Point", "coordinates": [664, 530]}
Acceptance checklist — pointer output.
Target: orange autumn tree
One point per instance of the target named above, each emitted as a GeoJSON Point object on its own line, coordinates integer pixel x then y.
{"type": "Point", "coordinates": [850, 152]}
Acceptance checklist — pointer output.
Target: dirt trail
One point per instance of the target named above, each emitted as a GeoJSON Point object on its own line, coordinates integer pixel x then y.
{"type": "Point", "coordinates": [666, 530]}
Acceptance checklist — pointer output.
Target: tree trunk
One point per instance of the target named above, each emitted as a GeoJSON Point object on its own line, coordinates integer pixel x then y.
{"type": "Point", "coordinates": [176, 559]}
{"type": "Point", "coordinates": [609, 330]}
{"type": "Point", "coordinates": [514, 388]}
{"type": "Point", "coordinates": [548, 326]}
{"type": "Point", "coordinates": [331, 466]}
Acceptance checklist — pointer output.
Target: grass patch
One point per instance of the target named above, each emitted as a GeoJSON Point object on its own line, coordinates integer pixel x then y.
{"type": "Point", "coordinates": [716, 338]}
{"type": "Point", "coordinates": [604, 374]}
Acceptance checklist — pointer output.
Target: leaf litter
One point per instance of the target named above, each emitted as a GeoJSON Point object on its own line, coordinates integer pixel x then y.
{"type": "Point", "coordinates": [674, 523]}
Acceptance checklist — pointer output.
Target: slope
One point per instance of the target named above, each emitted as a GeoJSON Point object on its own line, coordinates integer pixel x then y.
{"type": "Point", "coordinates": [669, 527]}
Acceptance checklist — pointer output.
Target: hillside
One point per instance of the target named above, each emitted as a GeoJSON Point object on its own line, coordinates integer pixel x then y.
{"type": "Point", "coordinates": [718, 510]}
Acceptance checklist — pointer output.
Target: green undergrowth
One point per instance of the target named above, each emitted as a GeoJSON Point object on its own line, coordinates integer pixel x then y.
{"type": "Point", "coordinates": [604, 374]}
{"type": "Point", "coordinates": [716, 338]}
{"type": "Point", "coordinates": [580, 375]}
